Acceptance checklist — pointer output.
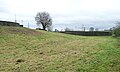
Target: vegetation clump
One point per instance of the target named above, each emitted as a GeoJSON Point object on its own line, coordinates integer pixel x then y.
{"type": "Point", "coordinates": [116, 30]}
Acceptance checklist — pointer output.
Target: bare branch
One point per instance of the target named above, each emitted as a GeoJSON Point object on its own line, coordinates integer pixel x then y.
{"type": "Point", "coordinates": [44, 19]}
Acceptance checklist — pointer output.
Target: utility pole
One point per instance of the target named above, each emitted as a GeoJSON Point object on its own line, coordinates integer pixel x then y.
{"type": "Point", "coordinates": [28, 24]}
{"type": "Point", "coordinates": [15, 18]}
{"type": "Point", "coordinates": [84, 29]}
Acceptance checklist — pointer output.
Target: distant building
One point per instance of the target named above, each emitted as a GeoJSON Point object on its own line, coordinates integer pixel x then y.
{"type": "Point", "coordinates": [8, 23]}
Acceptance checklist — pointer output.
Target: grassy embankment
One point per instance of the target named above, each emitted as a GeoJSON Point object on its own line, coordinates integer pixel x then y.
{"type": "Point", "coordinates": [25, 50]}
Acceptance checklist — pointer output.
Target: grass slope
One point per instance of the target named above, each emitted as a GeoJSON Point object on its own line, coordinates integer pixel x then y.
{"type": "Point", "coordinates": [26, 50]}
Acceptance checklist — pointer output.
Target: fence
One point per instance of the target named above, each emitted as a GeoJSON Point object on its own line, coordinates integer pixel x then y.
{"type": "Point", "coordinates": [89, 33]}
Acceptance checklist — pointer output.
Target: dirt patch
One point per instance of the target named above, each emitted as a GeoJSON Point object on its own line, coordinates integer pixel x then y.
{"type": "Point", "coordinates": [25, 31]}
{"type": "Point", "coordinates": [19, 61]}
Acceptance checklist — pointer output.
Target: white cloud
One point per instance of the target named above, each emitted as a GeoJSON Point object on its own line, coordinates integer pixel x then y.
{"type": "Point", "coordinates": [3, 7]}
{"type": "Point", "coordinates": [66, 11]}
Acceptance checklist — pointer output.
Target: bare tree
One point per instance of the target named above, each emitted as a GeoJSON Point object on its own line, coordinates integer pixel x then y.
{"type": "Point", "coordinates": [91, 29]}
{"type": "Point", "coordinates": [96, 29]}
{"type": "Point", "coordinates": [68, 29]}
{"type": "Point", "coordinates": [44, 19]}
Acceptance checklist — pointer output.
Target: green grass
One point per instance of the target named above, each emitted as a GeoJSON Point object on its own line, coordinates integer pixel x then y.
{"type": "Point", "coordinates": [26, 50]}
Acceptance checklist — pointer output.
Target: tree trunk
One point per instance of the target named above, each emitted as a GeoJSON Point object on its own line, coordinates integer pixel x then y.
{"type": "Point", "coordinates": [44, 27]}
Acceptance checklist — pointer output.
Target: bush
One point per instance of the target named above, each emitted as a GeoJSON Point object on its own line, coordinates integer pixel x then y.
{"type": "Point", "coordinates": [68, 29]}
{"type": "Point", "coordinates": [116, 30]}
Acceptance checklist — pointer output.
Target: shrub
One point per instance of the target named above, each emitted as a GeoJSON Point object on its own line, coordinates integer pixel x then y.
{"type": "Point", "coordinates": [116, 30]}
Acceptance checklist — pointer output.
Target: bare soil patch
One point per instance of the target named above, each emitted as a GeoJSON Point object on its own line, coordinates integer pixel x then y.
{"type": "Point", "coordinates": [25, 31]}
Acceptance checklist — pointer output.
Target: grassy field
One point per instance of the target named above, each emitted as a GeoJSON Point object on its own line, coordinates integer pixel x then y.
{"type": "Point", "coordinates": [26, 50]}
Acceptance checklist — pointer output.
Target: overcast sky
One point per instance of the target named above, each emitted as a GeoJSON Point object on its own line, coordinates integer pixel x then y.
{"type": "Point", "coordinates": [65, 13]}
